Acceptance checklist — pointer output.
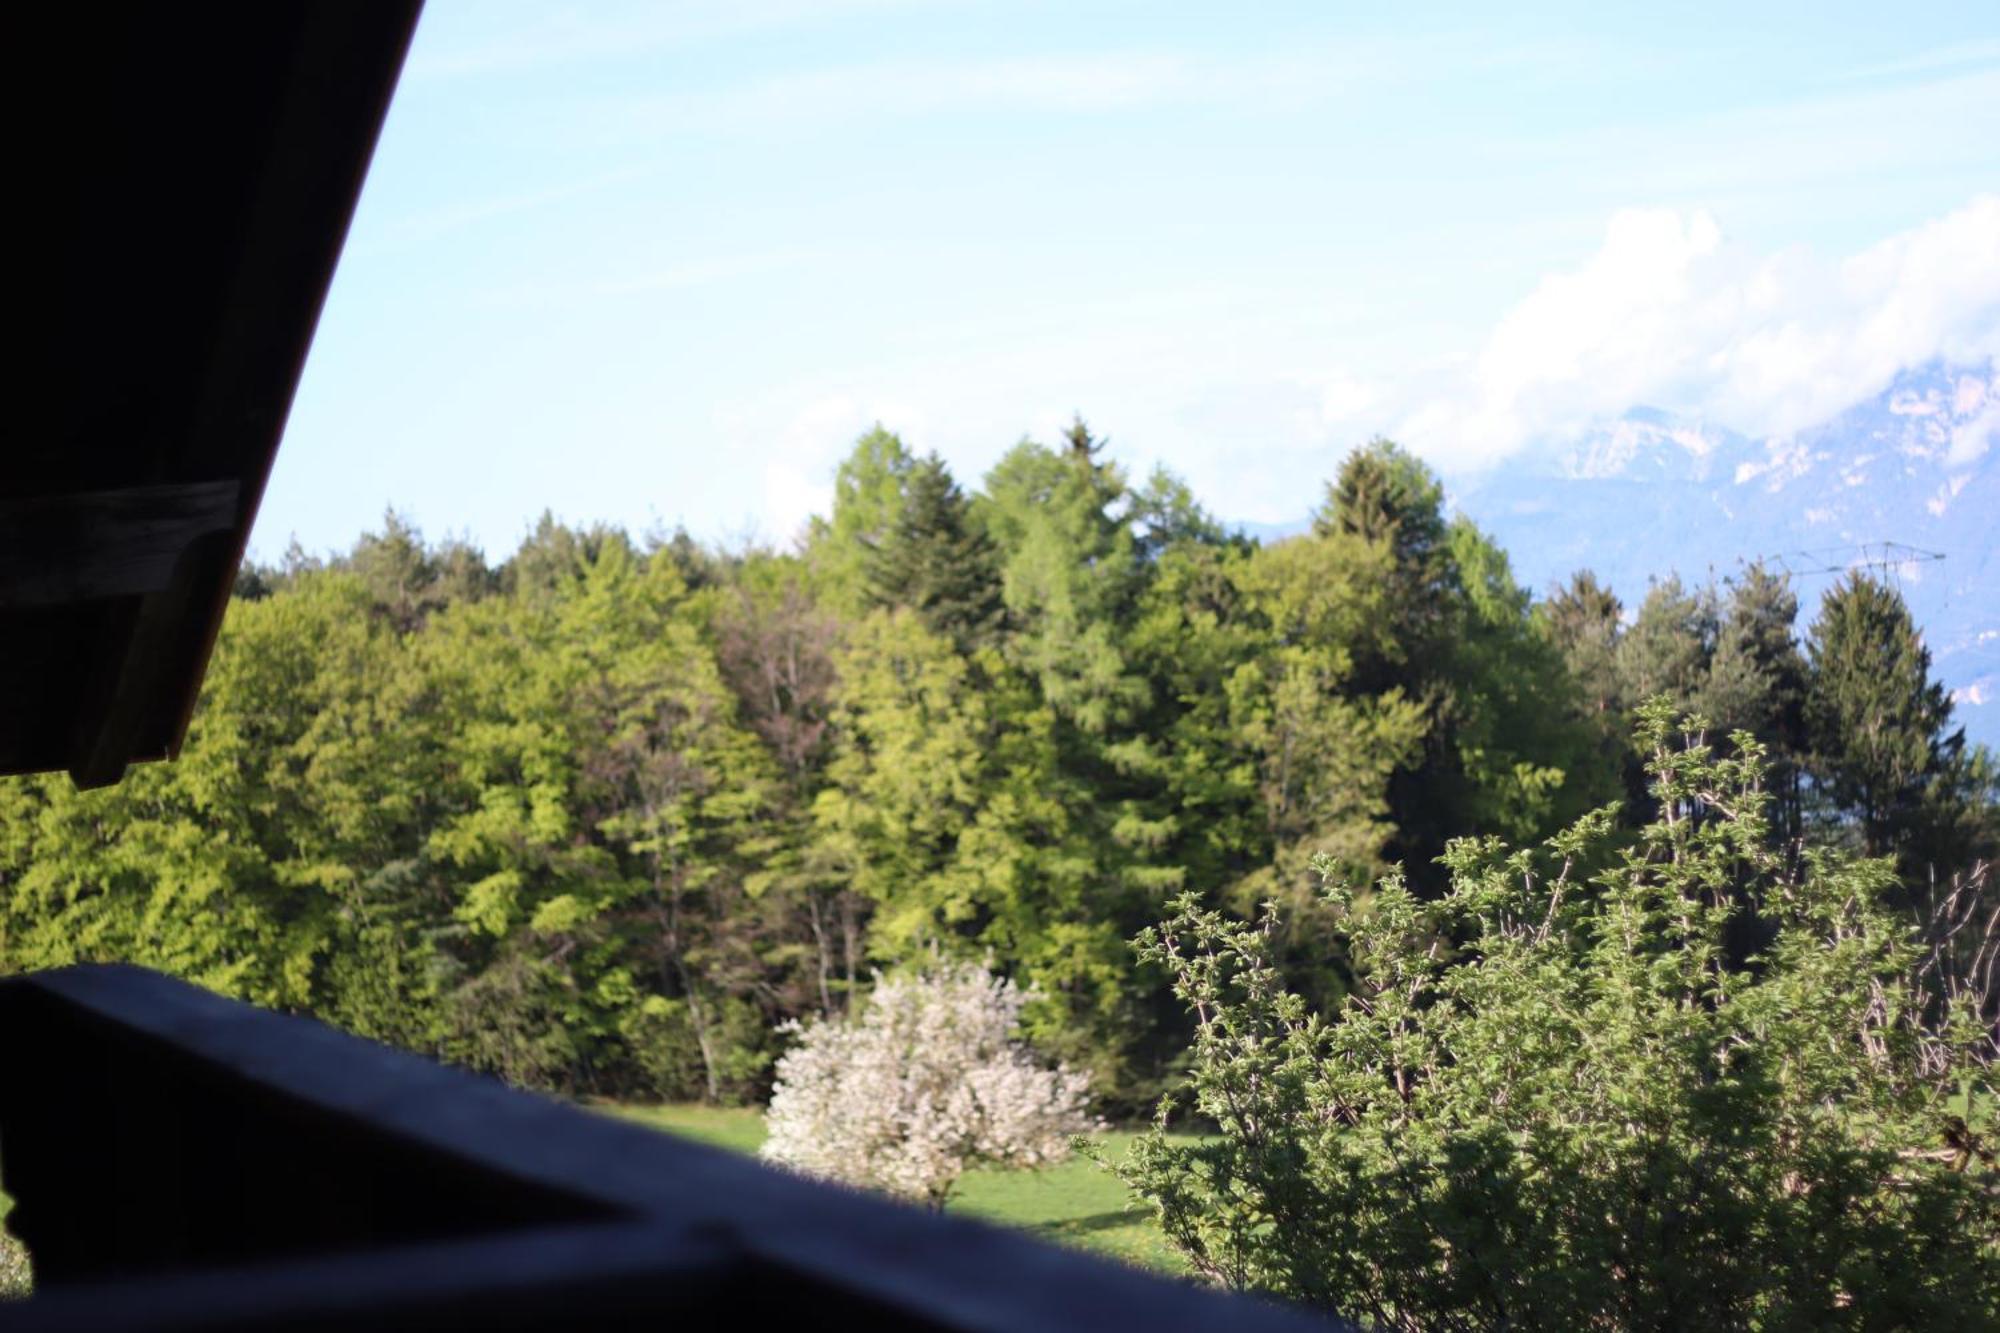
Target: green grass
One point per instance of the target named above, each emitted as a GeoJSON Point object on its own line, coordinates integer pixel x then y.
{"type": "Point", "coordinates": [1076, 1203]}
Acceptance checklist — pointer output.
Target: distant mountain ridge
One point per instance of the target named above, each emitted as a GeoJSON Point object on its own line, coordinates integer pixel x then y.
{"type": "Point", "coordinates": [1652, 493]}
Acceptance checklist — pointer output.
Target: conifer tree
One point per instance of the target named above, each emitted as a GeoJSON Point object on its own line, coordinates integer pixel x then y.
{"type": "Point", "coordinates": [1386, 495]}
{"type": "Point", "coordinates": [1070, 575]}
{"type": "Point", "coordinates": [868, 492]}
{"type": "Point", "coordinates": [1165, 514]}
{"type": "Point", "coordinates": [1582, 619]}
{"type": "Point", "coordinates": [937, 562]}
{"type": "Point", "coordinates": [1875, 719]}
{"type": "Point", "coordinates": [1671, 644]}
{"type": "Point", "coordinates": [1757, 683]}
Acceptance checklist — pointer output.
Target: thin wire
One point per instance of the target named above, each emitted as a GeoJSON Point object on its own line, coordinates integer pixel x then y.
{"type": "Point", "coordinates": [1892, 558]}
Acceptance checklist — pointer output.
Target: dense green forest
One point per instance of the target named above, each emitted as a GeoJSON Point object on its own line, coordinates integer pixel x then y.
{"type": "Point", "coordinates": [599, 818]}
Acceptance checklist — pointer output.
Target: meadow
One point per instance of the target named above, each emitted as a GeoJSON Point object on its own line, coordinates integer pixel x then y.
{"type": "Point", "coordinates": [1076, 1203]}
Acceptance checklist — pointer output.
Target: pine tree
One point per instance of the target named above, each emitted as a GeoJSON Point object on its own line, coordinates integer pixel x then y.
{"type": "Point", "coordinates": [1875, 720]}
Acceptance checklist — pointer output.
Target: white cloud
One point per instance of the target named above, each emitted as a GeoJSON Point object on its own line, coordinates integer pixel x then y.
{"type": "Point", "coordinates": [1345, 398]}
{"type": "Point", "coordinates": [1668, 312]}
{"type": "Point", "coordinates": [792, 498]}
{"type": "Point", "coordinates": [804, 448]}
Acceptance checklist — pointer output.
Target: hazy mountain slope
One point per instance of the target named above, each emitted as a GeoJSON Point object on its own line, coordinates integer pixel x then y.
{"type": "Point", "coordinates": [1653, 493]}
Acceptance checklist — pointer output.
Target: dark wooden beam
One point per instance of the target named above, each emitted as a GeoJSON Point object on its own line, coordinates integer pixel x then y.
{"type": "Point", "coordinates": [59, 549]}
{"type": "Point", "coordinates": [144, 647]}
{"type": "Point", "coordinates": [178, 1160]}
{"type": "Point", "coordinates": [193, 171]}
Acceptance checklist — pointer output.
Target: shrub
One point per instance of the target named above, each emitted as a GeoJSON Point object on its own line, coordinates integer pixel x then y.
{"type": "Point", "coordinates": [509, 1021]}
{"type": "Point", "coordinates": [665, 1050]}
{"type": "Point", "coordinates": [1554, 1099]}
{"type": "Point", "coordinates": [922, 1083]}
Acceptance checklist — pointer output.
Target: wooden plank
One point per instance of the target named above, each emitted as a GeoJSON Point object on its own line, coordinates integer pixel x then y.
{"type": "Point", "coordinates": [619, 1225]}
{"type": "Point", "coordinates": [133, 671]}
{"type": "Point", "coordinates": [56, 550]}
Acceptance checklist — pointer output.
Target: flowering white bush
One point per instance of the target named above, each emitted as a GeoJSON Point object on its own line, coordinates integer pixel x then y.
{"type": "Point", "coordinates": [924, 1082]}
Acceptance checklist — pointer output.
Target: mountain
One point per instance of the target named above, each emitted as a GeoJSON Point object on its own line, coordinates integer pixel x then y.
{"type": "Point", "coordinates": [1653, 493]}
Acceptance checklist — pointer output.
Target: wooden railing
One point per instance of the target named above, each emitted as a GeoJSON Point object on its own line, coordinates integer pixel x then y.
{"type": "Point", "coordinates": [179, 1160]}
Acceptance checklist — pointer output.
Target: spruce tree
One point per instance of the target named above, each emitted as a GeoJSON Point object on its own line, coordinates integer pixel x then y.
{"type": "Point", "coordinates": [1875, 720]}
{"type": "Point", "coordinates": [1385, 497]}
{"type": "Point", "coordinates": [1385, 494]}
{"type": "Point", "coordinates": [1671, 644]}
{"type": "Point", "coordinates": [1581, 618]}
{"type": "Point", "coordinates": [1757, 683]}
{"type": "Point", "coordinates": [937, 561]}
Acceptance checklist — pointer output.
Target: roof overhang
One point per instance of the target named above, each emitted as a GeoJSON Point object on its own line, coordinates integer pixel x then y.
{"type": "Point", "coordinates": [192, 171]}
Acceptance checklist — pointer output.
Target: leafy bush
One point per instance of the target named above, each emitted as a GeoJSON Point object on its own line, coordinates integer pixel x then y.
{"type": "Point", "coordinates": [508, 1021]}
{"type": "Point", "coordinates": [923, 1083]}
{"type": "Point", "coordinates": [665, 1045]}
{"type": "Point", "coordinates": [1559, 1098]}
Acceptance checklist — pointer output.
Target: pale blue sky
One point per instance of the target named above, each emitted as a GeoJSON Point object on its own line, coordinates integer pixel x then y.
{"type": "Point", "coordinates": [659, 263]}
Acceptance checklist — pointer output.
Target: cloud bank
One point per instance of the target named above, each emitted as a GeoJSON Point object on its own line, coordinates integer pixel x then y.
{"type": "Point", "coordinates": [1669, 313]}
{"type": "Point", "coordinates": [1666, 312]}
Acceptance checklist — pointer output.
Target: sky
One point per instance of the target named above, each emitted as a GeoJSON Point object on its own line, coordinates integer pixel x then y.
{"type": "Point", "coordinates": [659, 264]}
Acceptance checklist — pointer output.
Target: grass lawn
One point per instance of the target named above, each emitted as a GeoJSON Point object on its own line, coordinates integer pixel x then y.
{"type": "Point", "coordinates": [1077, 1203]}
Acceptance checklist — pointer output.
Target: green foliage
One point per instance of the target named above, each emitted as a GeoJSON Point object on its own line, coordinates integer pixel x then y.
{"type": "Point", "coordinates": [1671, 644]}
{"type": "Point", "coordinates": [1322, 754]}
{"type": "Point", "coordinates": [1499, 747]}
{"type": "Point", "coordinates": [1581, 620]}
{"type": "Point", "coordinates": [1875, 719]}
{"type": "Point", "coordinates": [1528, 764]}
{"type": "Point", "coordinates": [1553, 1102]}
{"type": "Point", "coordinates": [1388, 498]}
{"type": "Point", "coordinates": [937, 562]}
{"type": "Point", "coordinates": [1757, 684]}
{"type": "Point", "coordinates": [868, 495]}
{"type": "Point", "coordinates": [600, 816]}
{"type": "Point", "coordinates": [1070, 568]}
{"type": "Point", "coordinates": [665, 1041]}
{"type": "Point", "coordinates": [1856, 732]}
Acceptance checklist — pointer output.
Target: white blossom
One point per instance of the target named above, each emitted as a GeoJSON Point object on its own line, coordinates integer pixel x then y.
{"type": "Point", "coordinates": [921, 1084]}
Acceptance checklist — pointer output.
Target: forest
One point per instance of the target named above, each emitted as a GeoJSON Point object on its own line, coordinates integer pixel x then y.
{"type": "Point", "coordinates": [600, 817]}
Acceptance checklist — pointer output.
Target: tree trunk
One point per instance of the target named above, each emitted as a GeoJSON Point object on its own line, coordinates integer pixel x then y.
{"type": "Point", "coordinates": [849, 930]}
{"type": "Point", "coordinates": [702, 1039]}
{"type": "Point", "coordinates": [825, 947]}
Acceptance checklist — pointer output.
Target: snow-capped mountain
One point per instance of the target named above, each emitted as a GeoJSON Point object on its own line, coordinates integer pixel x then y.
{"type": "Point", "coordinates": [1652, 493]}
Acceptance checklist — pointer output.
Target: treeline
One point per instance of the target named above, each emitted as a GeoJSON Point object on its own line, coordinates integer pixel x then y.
{"type": "Point", "coordinates": [601, 817]}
